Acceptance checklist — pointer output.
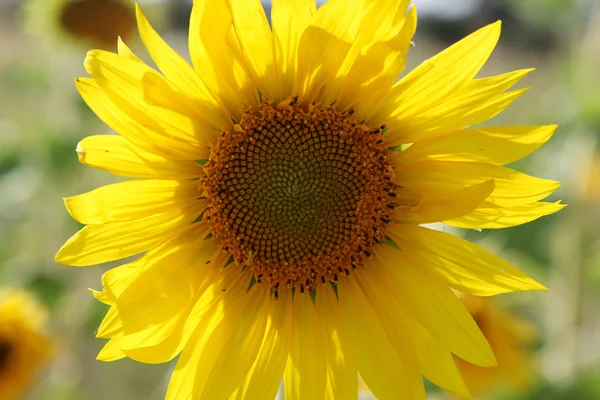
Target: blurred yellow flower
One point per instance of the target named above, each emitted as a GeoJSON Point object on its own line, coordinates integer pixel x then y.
{"type": "Point", "coordinates": [25, 345]}
{"type": "Point", "coordinates": [508, 335]}
{"type": "Point", "coordinates": [95, 22]}
{"type": "Point", "coordinates": [590, 181]}
{"type": "Point", "coordinates": [272, 198]}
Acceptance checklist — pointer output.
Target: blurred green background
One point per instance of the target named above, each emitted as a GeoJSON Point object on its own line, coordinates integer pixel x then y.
{"type": "Point", "coordinates": [42, 118]}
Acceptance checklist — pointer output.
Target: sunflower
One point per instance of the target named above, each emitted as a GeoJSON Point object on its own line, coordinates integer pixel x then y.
{"type": "Point", "coordinates": [25, 346]}
{"type": "Point", "coordinates": [281, 183]}
{"type": "Point", "coordinates": [508, 335]}
{"type": "Point", "coordinates": [97, 22]}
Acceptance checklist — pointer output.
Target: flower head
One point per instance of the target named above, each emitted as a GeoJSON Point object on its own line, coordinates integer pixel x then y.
{"type": "Point", "coordinates": [96, 22]}
{"type": "Point", "coordinates": [278, 212]}
{"type": "Point", "coordinates": [25, 346]}
{"type": "Point", "coordinates": [508, 335]}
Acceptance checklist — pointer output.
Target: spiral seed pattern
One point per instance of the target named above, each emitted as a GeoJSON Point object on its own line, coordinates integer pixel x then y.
{"type": "Point", "coordinates": [299, 193]}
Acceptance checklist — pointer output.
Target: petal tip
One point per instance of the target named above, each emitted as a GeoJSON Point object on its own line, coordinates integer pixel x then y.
{"type": "Point", "coordinates": [494, 29]}
{"type": "Point", "coordinates": [102, 296]}
{"type": "Point", "coordinates": [64, 255]}
{"type": "Point", "coordinates": [68, 253]}
{"type": "Point", "coordinates": [60, 256]}
{"type": "Point", "coordinates": [531, 284]}
{"type": "Point", "coordinates": [463, 391]}
{"type": "Point", "coordinates": [103, 358]}
{"type": "Point", "coordinates": [488, 358]}
{"type": "Point", "coordinates": [89, 61]}
{"type": "Point", "coordinates": [139, 15]}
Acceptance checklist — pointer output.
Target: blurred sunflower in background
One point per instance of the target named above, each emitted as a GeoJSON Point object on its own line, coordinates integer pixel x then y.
{"type": "Point", "coordinates": [25, 345]}
{"type": "Point", "coordinates": [281, 183]}
{"type": "Point", "coordinates": [94, 22]}
{"type": "Point", "coordinates": [509, 336]}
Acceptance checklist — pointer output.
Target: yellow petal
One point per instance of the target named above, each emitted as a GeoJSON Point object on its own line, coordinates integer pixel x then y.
{"type": "Point", "coordinates": [440, 76]}
{"type": "Point", "coordinates": [437, 363]}
{"type": "Point", "coordinates": [480, 114]}
{"type": "Point", "coordinates": [434, 305]}
{"type": "Point", "coordinates": [474, 103]}
{"type": "Point", "coordinates": [323, 47]}
{"type": "Point", "coordinates": [125, 51]}
{"type": "Point", "coordinates": [97, 244]}
{"type": "Point", "coordinates": [164, 290]}
{"type": "Point", "coordinates": [141, 312]}
{"type": "Point", "coordinates": [233, 347]}
{"type": "Point", "coordinates": [166, 118]}
{"type": "Point", "coordinates": [342, 375]}
{"type": "Point", "coordinates": [512, 188]}
{"type": "Point", "coordinates": [379, 363]}
{"type": "Point", "coordinates": [126, 201]}
{"type": "Point", "coordinates": [424, 127]}
{"type": "Point", "coordinates": [181, 74]}
{"type": "Point", "coordinates": [493, 217]}
{"type": "Point", "coordinates": [463, 265]}
{"type": "Point", "coordinates": [340, 18]}
{"type": "Point", "coordinates": [289, 18]}
{"type": "Point", "coordinates": [264, 378]}
{"type": "Point", "coordinates": [152, 334]}
{"type": "Point", "coordinates": [181, 385]}
{"type": "Point", "coordinates": [217, 294]}
{"type": "Point", "coordinates": [445, 206]}
{"type": "Point", "coordinates": [496, 145]}
{"type": "Point", "coordinates": [120, 157]}
{"type": "Point", "coordinates": [116, 280]}
{"type": "Point", "coordinates": [476, 90]}
{"type": "Point", "coordinates": [254, 36]}
{"type": "Point", "coordinates": [220, 296]}
{"type": "Point", "coordinates": [391, 314]}
{"type": "Point", "coordinates": [143, 347]}
{"type": "Point", "coordinates": [319, 58]}
{"type": "Point", "coordinates": [214, 44]}
{"type": "Point", "coordinates": [305, 374]}
{"type": "Point", "coordinates": [189, 378]}
{"type": "Point", "coordinates": [111, 351]}
{"type": "Point", "coordinates": [103, 297]}
{"type": "Point", "coordinates": [377, 34]}
{"type": "Point", "coordinates": [373, 67]}
{"type": "Point", "coordinates": [379, 21]}
{"type": "Point", "coordinates": [179, 337]}
{"type": "Point", "coordinates": [133, 124]}
{"type": "Point", "coordinates": [112, 324]}
{"type": "Point", "coordinates": [410, 338]}
{"type": "Point", "coordinates": [462, 103]}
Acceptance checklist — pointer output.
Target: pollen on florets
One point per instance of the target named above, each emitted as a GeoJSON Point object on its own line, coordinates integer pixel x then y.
{"type": "Point", "coordinates": [300, 194]}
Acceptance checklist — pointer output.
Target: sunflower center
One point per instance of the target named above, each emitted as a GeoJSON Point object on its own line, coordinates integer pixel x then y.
{"type": "Point", "coordinates": [299, 193]}
{"type": "Point", "coordinates": [5, 352]}
{"type": "Point", "coordinates": [98, 20]}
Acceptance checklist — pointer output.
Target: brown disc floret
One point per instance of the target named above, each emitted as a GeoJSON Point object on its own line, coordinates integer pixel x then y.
{"type": "Point", "coordinates": [6, 352]}
{"type": "Point", "coordinates": [299, 193]}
